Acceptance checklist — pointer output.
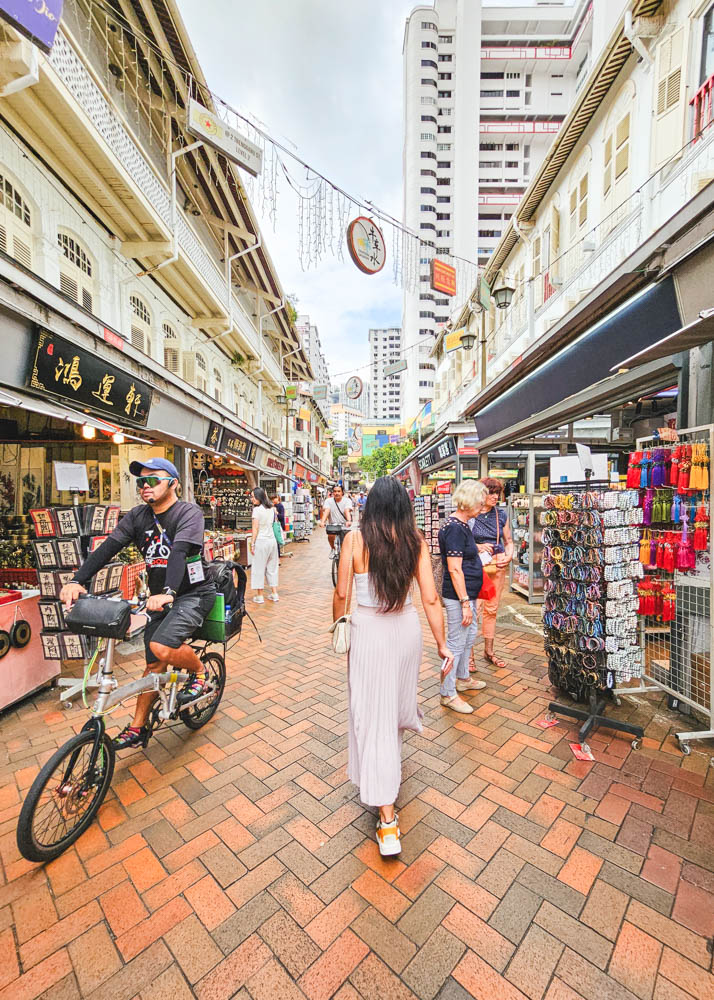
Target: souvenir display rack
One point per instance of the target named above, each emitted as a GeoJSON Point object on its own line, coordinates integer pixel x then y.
{"type": "Point", "coordinates": [590, 564]}
{"type": "Point", "coordinates": [430, 512]}
{"type": "Point", "coordinates": [525, 576]}
{"type": "Point", "coordinates": [671, 472]}
{"type": "Point", "coordinates": [64, 536]}
{"type": "Point", "coordinates": [302, 515]}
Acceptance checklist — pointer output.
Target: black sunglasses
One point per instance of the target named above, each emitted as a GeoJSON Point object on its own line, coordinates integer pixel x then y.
{"type": "Point", "coordinates": [151, 481]}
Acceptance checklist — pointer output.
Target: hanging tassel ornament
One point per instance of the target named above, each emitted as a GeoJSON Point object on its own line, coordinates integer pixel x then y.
{"type": "Point", "coordinates": [701, 530]}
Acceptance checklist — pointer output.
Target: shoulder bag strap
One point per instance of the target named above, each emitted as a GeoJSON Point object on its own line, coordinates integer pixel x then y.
{"type": "Point", "coordinates": [498, 527]}
{"type": "Point", "coordinates": [348, 600]}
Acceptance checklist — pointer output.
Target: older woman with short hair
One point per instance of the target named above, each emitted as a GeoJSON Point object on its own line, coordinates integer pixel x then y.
{"type": "Point", "coordinates": [463, 578]}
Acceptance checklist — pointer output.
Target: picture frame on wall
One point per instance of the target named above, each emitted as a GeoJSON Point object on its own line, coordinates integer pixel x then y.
{"type": "Point", "coordinates": [105, 482]}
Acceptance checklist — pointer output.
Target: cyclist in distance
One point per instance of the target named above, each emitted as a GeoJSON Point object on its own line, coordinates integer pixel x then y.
{"type": "Point", "coordinates": [337, 510]}
{"type": "Point", "coordinates": [169, 534]}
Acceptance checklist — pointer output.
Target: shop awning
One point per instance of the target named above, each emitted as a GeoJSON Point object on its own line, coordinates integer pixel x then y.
{"type": "Point", "coordinates": [695, 334]}
{"type": "Point", "coordinates": [607, 394]}
{"type": "Point", "coordinates": [639, 323]}
{"type": "Point", "coordinates": [58, 412]}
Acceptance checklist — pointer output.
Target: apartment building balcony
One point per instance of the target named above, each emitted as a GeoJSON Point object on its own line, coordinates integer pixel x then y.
{"type": "Point", "coordinates": [548, 296]}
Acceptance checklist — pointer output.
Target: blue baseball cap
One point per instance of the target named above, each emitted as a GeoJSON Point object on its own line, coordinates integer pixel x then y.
{"type": "Point", "coordinates": [157, 464]}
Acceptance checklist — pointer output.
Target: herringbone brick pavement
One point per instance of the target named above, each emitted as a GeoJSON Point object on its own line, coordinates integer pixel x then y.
{"type": "Point", "coordinates": [238, 862]}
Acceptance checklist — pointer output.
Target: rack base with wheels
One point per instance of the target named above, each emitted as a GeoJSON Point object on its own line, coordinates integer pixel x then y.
{"type": "Point", "coordinates": [594, 716]}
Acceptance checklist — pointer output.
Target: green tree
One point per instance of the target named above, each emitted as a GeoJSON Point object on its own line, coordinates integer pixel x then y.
{"type": "Point", "coordinates": [384, 459]}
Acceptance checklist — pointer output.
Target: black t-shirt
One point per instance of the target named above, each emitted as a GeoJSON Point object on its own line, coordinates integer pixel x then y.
{"type": "Point", "coordinates": [455, 539]}
{"type": "Point", "coordinates": [180, 528]}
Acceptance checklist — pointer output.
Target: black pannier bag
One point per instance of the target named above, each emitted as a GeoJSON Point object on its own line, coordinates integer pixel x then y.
{"type": "Point", "coordinates": [230, 580]}
{"type": "Point", "coordinates": [99, 617]}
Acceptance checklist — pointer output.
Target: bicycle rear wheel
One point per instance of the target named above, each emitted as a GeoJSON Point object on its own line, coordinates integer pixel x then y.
{"type": "Point", "coordinates": [215, 668]}
{"type": "Point", "coordinates": [64, 797]}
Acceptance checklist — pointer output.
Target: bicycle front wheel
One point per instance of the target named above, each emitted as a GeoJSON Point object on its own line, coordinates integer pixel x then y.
{"type": "Point", "coordinates": [64, 797]}
{"type": "Point", "coordinates": [335, 566]}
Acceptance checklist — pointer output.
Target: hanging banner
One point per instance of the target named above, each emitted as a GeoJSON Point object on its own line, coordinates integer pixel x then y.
{"type": "Point", "coordinates": [208, 126]}
{"type": "Point", "coordinates": [395, 368]}
{"type": "Point", "coordinates": [37, 21]}
{"type": "Point", "coordinates": [443, 277]}
{"type": "Point", "coordinates": [320, 391]}
{"type": "Point", "coordinates": [484, 294]}
{"type": "Point", "coordinates": [291, 391]}
{"type": "Point", "coordinates": [365, 243]}
{"type": "Point", "coordinates": [354, 387]}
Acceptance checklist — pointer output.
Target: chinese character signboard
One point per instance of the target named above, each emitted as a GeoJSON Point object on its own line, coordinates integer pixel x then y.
{"type": "Point", "coordinates": [366, 245]}
{"type": "Point", "coordinates": [237, 447]}
{"type": "Point", "coordinates": [443, 277]}
{"type": "Point", "coordinates": [395, 368]}
{"type": "Point", "coordinates": [38, 20]}
{"type": "Point", "coordinates": [319, 391]}
{"type": "Point", "coordinates": [208, 126]}
{"type": "Point", "coordinates": [213, 438]}
{"type": "Point", "coordinates": [354, 387]}
{"type": "Point", "coordinates": [291, 391]}
{"type": "Point", "coordinates": [437, 454]}
{"type": "Point", "coordinates": [452, 341]}
{"type": "Point", "coordinates": [87, 381]}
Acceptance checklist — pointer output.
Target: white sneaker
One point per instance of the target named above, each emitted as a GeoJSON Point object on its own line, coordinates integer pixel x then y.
{"type": "Point", "coordinates": [469, 685]}
{"type": "Point", "coordinates": [274, 597]}
{"type": "Point", "coordinates": [258, 600]}
{"type": "Point", "coordinates": [456, 704]}
{"type": "Point", "coordinates": [389, 837]}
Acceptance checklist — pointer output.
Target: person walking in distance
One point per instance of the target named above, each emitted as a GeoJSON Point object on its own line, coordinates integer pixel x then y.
{"type": "Point", "coordinates": [463, 579]}
{"type": "Point", "coordinates": [337, 510]}
{"type": "Point", "coordinates": [492, 534]}
{"type": "Point", "coordinates": [383, 559]}
{"type": "Point", "coordinates": [279, 508]}
{"type": "Point", "coordinates": [264, 547]}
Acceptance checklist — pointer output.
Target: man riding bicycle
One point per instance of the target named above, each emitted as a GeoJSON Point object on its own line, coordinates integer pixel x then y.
{"type": "Point", "coordinates": [169, 534]}
{"type": "Point", "coordinates": [337, 510]}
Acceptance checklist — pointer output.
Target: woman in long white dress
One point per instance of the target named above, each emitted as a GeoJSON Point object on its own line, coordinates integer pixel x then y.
{"type": "Point", "coordinates": [384, 558]}
{"type": "Point", "coordinates": [264, 548]}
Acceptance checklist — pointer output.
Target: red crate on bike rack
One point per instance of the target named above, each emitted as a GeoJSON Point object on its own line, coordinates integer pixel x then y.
{"type": "Point", "coordinates": [128, 579]}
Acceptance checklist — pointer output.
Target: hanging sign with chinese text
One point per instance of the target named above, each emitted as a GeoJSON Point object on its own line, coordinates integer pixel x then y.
{"type": "Point", "coordinates": [395, 368]}
{"type": "Point", "coordinates": [366, 245]}
{"type": "Point", "coordinates": [443, 277]}
{"type": "Point", "coordinates": [354, 387]}
{"type": "Point", "coordinates": [452, 341]}
{"type": "Point", "coordinates": [237, 447]}
{"type": "Point", "coordinates": [87, 381]}
{"type": "Point", "coordinates": [208, 126]}
{"type": "Point", "coordinates": [38, 21]}
{"type": "Point", "coordinates": [319, 391]}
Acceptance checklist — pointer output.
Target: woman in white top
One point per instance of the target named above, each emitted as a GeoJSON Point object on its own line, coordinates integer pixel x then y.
{"type": "Point", "coordinates": [385, 557]}
{"type": "Point", "coordinates": [264, 547]}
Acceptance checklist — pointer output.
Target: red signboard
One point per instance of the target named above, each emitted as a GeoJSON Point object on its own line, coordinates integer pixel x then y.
{"type": "Point", "coordinates": [443, 277]}
{"type": "Point", "coordinates": [114, 339]}
{"type": "Point", "coordinates": [300, 471]}
{"type": "Point", "coordinates": [443, 487]}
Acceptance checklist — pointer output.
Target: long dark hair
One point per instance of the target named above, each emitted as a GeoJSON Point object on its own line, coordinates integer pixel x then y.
{"type": "Point", "coordinates": [262, 497]}
{"type": "Point", "coordinates": [392, 542]}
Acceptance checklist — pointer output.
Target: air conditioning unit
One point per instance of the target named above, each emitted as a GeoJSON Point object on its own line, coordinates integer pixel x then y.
{"type": "Point", "coordinates": [622, 435]}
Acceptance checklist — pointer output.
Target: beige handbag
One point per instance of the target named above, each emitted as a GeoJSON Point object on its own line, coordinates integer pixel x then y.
{"type": "Point", "coordinates": [342, 627]}
{"type": "Point", "coordinates": [490, 567]}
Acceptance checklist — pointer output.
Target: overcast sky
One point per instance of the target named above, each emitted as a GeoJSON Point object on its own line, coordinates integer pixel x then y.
{"type": "Point", "coordinates": [326, 76]}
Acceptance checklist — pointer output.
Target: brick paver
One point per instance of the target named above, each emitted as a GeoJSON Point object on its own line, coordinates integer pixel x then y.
{"type": "Point", "coordinates": [237, 861]}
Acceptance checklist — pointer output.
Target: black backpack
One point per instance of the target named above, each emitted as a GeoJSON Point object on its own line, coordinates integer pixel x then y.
{"type": "Point", "coordinates": [231, 580]}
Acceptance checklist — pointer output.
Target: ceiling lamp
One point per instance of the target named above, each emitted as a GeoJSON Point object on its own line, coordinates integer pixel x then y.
{"type": "Point", "coordinates": [88, 432]}
{"type": "Point", "coordinates": [118, 438]}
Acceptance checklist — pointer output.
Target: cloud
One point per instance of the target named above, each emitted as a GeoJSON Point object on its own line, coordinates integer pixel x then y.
{"type": "Point", "coordinates": [325, 77]}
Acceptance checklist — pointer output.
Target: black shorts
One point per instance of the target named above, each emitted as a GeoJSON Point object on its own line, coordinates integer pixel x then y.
{"type": "Point", "coordinates": [172, 628]}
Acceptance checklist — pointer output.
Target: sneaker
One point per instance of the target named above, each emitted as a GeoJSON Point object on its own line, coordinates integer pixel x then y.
{"type": "Point", "coordinates": [131, 737]}
{"type": "Point", "coordinates": [273, 597]}
{"type": "Point", "coordinates": [258, 600]}
{"type": "Point", "coordinates": [456, 704]}
{"type": "Point", "coordinates": [389, 837]}
{"type": "Point", "coordinates": [193, 688]}
{"type": "Point", "coordinates": [469, 685]}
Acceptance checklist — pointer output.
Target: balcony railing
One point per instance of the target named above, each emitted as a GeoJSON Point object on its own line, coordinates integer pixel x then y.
{"type": "Point", "coordinates": [73, 73]}
{"type": "Point", "coordinates": [702, 104]}
{"type": "Point", "coordinates": [598, 252]}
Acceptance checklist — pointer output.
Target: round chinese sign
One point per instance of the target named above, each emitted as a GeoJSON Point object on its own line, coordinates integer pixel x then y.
{"type": "Point", "coordinates": [366, 245]}
{"type": "Point", "coordinates": [353, 387]}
